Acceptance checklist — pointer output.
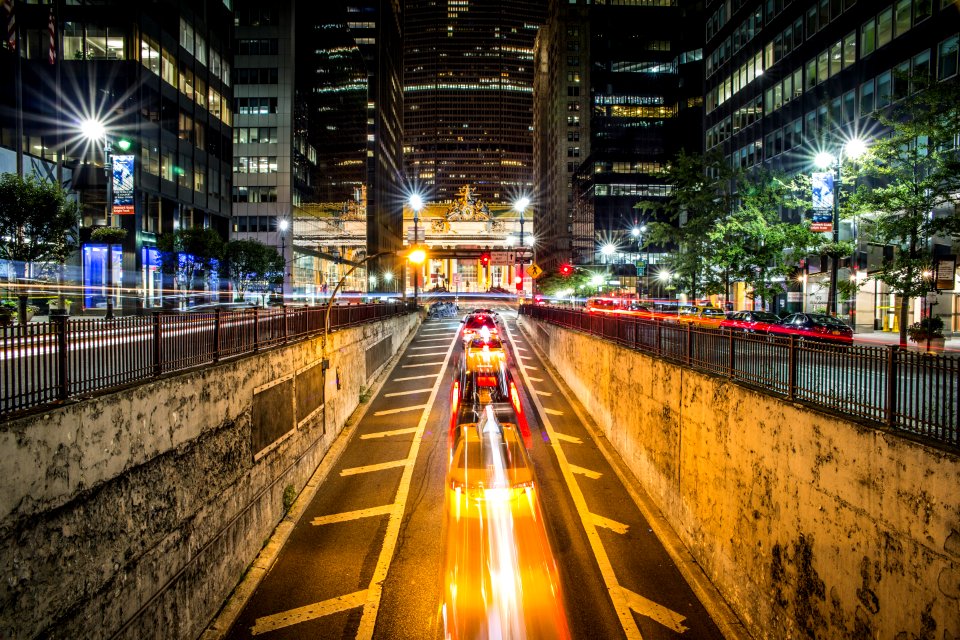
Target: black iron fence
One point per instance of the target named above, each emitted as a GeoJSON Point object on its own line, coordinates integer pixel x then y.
{"type": "Point", "coordinates": [905, 390]}
{"type": "Point", "coordinates": [48, 362]}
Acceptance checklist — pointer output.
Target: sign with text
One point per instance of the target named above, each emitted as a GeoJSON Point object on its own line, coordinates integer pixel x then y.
{"type": "Point", "coordinates": [946, 269]}
{"type": "Point", "coordinates": [421, 236]}
{"type": "Point", "coordinates": [503, 258]}
{"type": "Point", "coordinates": [123, 185]}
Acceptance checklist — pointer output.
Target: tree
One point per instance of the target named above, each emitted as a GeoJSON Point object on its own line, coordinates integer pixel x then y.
{"type": "Point", "coordinates": [754, 243]}
{"type": "Point", "coordinates": [699, 200]}
{"type": "Point", "coordinates": [914, 171]}
{"type": "Point", "coordinates": [553, 282]}
{"type": "Point", "coordinates": [253, 266]}
{"type": "Point", "coordinates": [38, 224]}
{"type": "Point", "coordinates": [187, 253]}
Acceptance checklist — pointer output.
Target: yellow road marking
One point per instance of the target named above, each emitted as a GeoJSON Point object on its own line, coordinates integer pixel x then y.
{"type": "Point", "coordinates": [386, 434]}
{"type": "Point", "coordinates": [375, 589]}
{"type": "Point", "coordinates": [617, 595]}
{"type": "Point", "coordinates": [347, 516]}
{"type": "Point", "coordinates": [544, 393]}
{"type": "Point", "coordinates": [406, 393]}
{"type": "Point", "coordinates": [309, 612]}
{"type": "Point", "coordinates": [426, 375]}
{"type": "Point", "coordinates": [532, 379]}
{"type": "Point", "coordinates": [388, 412]}
{"type": "Point", "coordinates": [593, 475]}
{"type": "Point", "coordinates": [565, 438]}
{"type": "Point", "coordinates": [607, 523]}
{"type": "Point", "coordinates": [667, 617]}
{"type": "Point", "coordinates": [554, 412]}
{"type": "Point", "coordinates": [370, 468]}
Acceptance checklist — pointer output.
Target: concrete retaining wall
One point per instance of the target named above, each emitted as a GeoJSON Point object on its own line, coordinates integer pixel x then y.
{"type": "Point", "coordinates": [134, 514]}
{"type": "Point", "coordinates": [810, 525]}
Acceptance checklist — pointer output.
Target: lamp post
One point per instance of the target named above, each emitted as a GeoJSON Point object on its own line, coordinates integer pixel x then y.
{"type": "Point", "coordinates": [283, 225]}
{"type": "Point", "coordinates": [521, 206]}
{"type": "Point", "coordinates": [638, 235]}
{"type": "Point", "coordinates": [416, 203]}
{"type": "Point", "coordinates": [95, 131]}
{"type": "Point", "coordinates": [853, 149]}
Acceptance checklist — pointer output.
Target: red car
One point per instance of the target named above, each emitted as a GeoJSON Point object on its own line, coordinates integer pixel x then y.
{"type": "Point", "coordinates": [814, 326]}
{"type": "Point", "coordinates": [750, 321]}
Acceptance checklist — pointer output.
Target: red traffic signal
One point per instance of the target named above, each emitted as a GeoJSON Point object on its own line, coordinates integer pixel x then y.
{"type": "Point", "coordinates": [517, 280]}
{"type": "Point", "coordinates": [485, 259]}
{"type": "Point", "coordinates": [566, 270]}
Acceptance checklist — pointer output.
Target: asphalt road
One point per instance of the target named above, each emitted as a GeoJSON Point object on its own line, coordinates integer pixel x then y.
{"type": "Point", "coordinates": [365, 559]}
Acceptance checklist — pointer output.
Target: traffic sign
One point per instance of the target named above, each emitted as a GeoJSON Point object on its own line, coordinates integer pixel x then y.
{"type": "Point", "coordinates": [534, 271]}
{"type": "Point", "coordinates": [503, 258]}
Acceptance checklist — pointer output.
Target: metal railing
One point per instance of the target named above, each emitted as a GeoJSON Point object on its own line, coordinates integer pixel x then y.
{"type": "Point", "coordinates": [47, 362]}
{"type": "Point", "coordinates": [905, 390]}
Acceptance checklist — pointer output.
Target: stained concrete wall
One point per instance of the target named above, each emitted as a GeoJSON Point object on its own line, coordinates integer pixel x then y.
{"type": "Point", "coordinates": [810, 525]}
{"type": "Point", "coordinates": [134, 514]}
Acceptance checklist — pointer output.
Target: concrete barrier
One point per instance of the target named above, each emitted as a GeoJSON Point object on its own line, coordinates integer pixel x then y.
{"type": "Point", "coordinates": [810, 525]}
{"type": "Point", "coordinates": [134, 514]}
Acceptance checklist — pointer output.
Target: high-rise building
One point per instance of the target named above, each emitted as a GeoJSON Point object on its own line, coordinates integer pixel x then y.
{"type": "Point", "coordinates": [785, 80]}
{"type": "Point", "coordinates": [272, 159]}
{"type": "Point", "coordinates": [350, 70]}
{"type": "Point", "coordinates": [151, 83]}
{"type": "Point", "coordinates": [618, 93]}
{"type": "Point", "coordinates": [468, 85]}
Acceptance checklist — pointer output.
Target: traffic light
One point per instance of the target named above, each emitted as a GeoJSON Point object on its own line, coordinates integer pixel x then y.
{"type": "Point", "coordinates": [566, 270]}
{"type": "Point", "coordinates": [485, 259]}
{"type": "Point", "coordinates": [518, 280]}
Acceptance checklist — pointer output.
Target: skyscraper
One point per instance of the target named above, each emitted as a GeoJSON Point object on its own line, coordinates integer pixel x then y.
{"type": "Point", "coordinates": [618, 93]}
{"type": "Point", "coordinates": [468, 85]}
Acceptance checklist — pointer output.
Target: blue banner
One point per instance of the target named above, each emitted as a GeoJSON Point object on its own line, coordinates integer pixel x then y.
{"type": "Point", "coordinates": [823, 190]}
{"type": "Point", "coordinates": [123, 185]}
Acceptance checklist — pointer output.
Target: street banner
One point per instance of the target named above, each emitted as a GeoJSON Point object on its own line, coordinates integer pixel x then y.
{"type": "Point", "coordinates": [123, 185]}
{"type": "Point", "coordinates": [822, 183]}
{"type": "Point", "coordinates": [946, 269]}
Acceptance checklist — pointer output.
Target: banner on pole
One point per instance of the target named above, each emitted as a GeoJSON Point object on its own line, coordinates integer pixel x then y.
{"type": "Point", "coordinates": [123, 184]}
{"type": "Point", "coordinates": [822, 183]}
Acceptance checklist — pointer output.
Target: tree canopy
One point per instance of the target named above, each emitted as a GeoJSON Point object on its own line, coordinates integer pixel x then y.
{"type": "Point", "coordinates": [253, 266]}
{"type": "Point", "coordinates": [38, 223]}
{"type": "Point", "coordinates": [187, 253]}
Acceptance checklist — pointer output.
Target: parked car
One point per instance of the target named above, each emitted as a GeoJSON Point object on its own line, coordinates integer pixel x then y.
{"type": "Point", "coordinates": [813, 326]}
{"type": "Point", "coordinates": [750, 321]}
{"type": "Point", "coordinates": [702, 317]}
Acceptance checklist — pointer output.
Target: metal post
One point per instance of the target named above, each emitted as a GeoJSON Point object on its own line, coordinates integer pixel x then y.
{"type": "Point", "coordinates": [689, 343]}
{"type": "Point", "coordinates": [256, 329]}
{"type": "Point", "coordinates": [157, 345]}
{"type": "Point", "coordinates": [416, 275]}
{"type": "Point", "coordinates": [286, 332]}
{"type": "Point", "coordinates": [835, 259]}
{"type": "Point", "coordinates": [792, 368]}
{"type": "Point", "coordinates": [891, 413]}
{"type": "Point", "coordinates": [216, 335]}
{"type": "Point", "coordinates": [63, 380]}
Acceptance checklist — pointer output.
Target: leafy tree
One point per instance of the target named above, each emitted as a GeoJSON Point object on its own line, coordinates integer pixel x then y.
{"type": "Point", "coordinates": [552, 282]}
{"type": "Point", "coordinates": [914, 171]}
{"type": "Point", "coordinates": [187, 253]}
{"type": "Point", "coordinates": [699, 200]}
{"type": "Point", "coordinates": [38, 224]}
{"type": "Point", "coordinates": [253, 266]}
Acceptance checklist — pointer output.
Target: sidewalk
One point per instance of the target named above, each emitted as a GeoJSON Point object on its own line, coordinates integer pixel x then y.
{"type": "Point", "coordinates": [880, 338]}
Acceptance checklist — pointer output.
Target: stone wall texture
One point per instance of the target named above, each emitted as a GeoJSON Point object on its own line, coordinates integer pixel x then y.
{"type": "Point", "coordinates": [811, 526]}
{"type": "Point", "coordinates": [134, 514]}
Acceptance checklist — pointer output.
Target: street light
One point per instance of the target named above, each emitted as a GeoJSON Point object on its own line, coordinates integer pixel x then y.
{"type": "Point", "coordinates": [853, 149]}
{"type": "Point", "coordinates": [520, 205]}
{"type": "Point", "coordinates": [283, 225]}
{"type": "Point", "coordinates": [416, 203]}
{"type": "Point", "coordinates": [638, 233]}
{"type": "Point", "coordinates": [95, 131]}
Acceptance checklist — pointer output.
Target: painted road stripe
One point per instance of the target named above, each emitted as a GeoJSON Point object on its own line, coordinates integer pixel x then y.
{"type": "Point", "coordinates": [388, 412]}
{"type": "Point", "coordinates": [309, 612]}
{"type": "Point", "coordinates": [613, 525]}
{"type": "Point", "coordinates": [521, 348]}
{"type": "Point", "coordinates": [426, 355]}
{"type": "Point", "coordinates": [386, 434]}
{"type": "Point", "coordinates": [370, 468]}
{"type": "Point", "coordinates": [617, 593]}
{"type": "Point", "coordinates": [422, 364]}
{"type": "Point", "coordinates": [532, 379]}
{"type": "Point", "coordinates": [546, 394]}
{"type": "Point", "coordinates": [347, 516]}
{"type": "Point", "coordinates": [564, 437]}
{"type": "Point", "coordinates": [553, 412]}
{"type": "Point", "coordinates": [375, 589]}
{"type": "Point", "coordinates": [593, 475]}
{"type": "Point", "coordinates": [649, 608]}
{"type": "Point", "coordinates": [422, 348]}
{"type": "Point", "coordinates": [426, 375]}
{"type": "Point", "coordinates": [406, 393]}
{"type": "Point", "coordinates": [526, 366]}
{"type": "Point", "coordinates": [432, 340]}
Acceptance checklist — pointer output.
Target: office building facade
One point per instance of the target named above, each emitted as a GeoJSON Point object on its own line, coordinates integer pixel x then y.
{"type": "Point", "coordinates": [157, 78]}
{"type": "Point", "coordinates": [785, 80]}
{"type": "Point", "coordinates": [468, 88]}
{"type": "Point", "coordinates": [619, 93]}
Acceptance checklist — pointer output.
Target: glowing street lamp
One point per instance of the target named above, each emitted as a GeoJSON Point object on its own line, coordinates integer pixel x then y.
{"type": "Point", "coordinates": [853, 149]}
{"type": "Point", "coordinates": [417, 256]}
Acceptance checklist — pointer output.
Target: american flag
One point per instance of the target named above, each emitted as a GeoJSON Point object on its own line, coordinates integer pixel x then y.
{"type": "Point", "coordinates": [52, 28]}
{"type": "Point", "coordinates": [11, 25]}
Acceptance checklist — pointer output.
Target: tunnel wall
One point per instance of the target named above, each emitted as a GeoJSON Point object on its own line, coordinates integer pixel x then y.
{"type": "Point", "coordinates": [134, 514]}
{"type": "Point", "coordinates": [808, 524]}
